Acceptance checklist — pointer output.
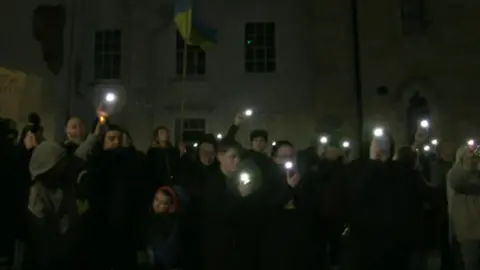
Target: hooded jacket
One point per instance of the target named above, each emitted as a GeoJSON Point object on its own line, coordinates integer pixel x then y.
{"type": "Point", "coordinates": [53, 206]}
{"type": "Point", "coordinates": [163, 232]}
{"type": "Point", "coordinates": [463, 193]}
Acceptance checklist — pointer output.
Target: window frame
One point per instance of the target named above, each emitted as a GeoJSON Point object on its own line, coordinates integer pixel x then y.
{"type": "Point", "coordinates": [196, 58]}
{"type": "Point", "coordinates": [260, 51]}
{"type": "Point", "coordinates": [181, 130]}
{"type": "Point", "coordinates": [413, 16]}
{"type": "Point", "coordinates": [108, 54]}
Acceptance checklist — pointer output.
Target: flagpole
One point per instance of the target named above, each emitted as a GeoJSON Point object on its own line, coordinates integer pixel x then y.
{"type": "Point", "coordinates": [184, 79]}
{"type": "Point", "coordinates": [357, 74]}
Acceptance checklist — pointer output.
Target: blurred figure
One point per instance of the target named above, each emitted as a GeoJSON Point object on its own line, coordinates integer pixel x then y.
{"type": "Point", "coordinates": [163, 160]}
{"type": "Point", "coordinates": [386, 211]}
{"type": "Point", "coordinates": [55, 238]}
{"type": "Point", "coordinates": [9, 204]}
{"type": "Point", "coordinates": [75, 133]}
{"type": "Point", "coordinates": [217, 213]}
{"type": "Point", "coordinates": [464, 204]}
{"type": "Point", "coordinates": [113, 137]}
{"type": "Point", "coordinates": [259, 139]}
{"type": "Point", "coordinates": [161, 233]}
{"type": "Point", "coordinates": [287, 239]}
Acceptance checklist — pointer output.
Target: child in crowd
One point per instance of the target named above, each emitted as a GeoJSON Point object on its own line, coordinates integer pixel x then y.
{"type": "Point", "coordinates": [160, 246]}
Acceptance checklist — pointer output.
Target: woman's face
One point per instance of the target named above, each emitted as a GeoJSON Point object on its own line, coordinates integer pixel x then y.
{"type": "Point", "coordinates": [161, 202]}
{"type": "Point", "coordinates": [162, 135]}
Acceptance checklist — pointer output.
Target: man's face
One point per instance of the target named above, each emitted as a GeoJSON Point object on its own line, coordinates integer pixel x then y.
{"type": "Point", "coordinates": [74, 129]}
{"type": "Point", "coordinates": [113, 139]}
{"type": "Point", "coordinates": [285, 153]}
{"type": "Point", "coordinates": [228, 160]}
{"type": "Point", "coordinates": [206, 153]}
{"type": "Point", "coordinates": [161, 202]}
{"type": "Point", "coordinates": [258, 144]}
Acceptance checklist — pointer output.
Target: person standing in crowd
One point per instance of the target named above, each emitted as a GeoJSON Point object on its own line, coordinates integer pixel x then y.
{"type": "Point", "coordinates": [385, 217]}
{"type": "Point", "coordinates": [258, 137]}
{"type": "Point", "coordinates": [160, 235]}
{"type": "Point", "coordinates": [116, 174]}
{"type": "Point", "coordinates": [8, 174]}
{"type": "Point", "coordinates": [327, 191]}
{"type": "Point", "coordinates": [55, 238]}
{"type": "Point", "coordinates": [193, 178]}
{"type": "Point", "coordinates": [464, 204]}
{"type": "Point", "coordinates": [162, 159]}
{"type": "Point", "coordinates": [75, 132]}
{"type": "Point", "coordinates": [287, 241]}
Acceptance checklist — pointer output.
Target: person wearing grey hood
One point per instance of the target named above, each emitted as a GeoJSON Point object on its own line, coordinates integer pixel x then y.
{"type": "Point", "coordinates": [463, 192]}
{"type": "Point", "coordinates": [56, 206]}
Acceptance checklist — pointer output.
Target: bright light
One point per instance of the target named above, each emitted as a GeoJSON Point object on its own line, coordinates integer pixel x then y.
{"type": "Point", "coordinates": [110, 97]}
{"type": "Point", "coordinates": [434, 142]}
{"type": "Point", "coordinates": [346, 144]}
{"type": "Point", "coordinates": [274, 143]}
{"type": "Point", "coordinates": [219, 136]}
{"type": "Point", "coordinates": [471, 142]}
{"type": "Point", "coordinates": [323, 140]}
{"type": "Point", "coordinates": [248, 112]}
{"type": "Point", "coordinates": [424, 123]}
{"type": "Point", "coordinates": [426, 148]}
{"type": "Point", "coordinates": [378, 132]}
{"type": "Point", "coordinates": [288, 165]}
{"type": "Point", "coordinates": [195, 145]}
{"type": "Point", "coordinates": [245, 178]}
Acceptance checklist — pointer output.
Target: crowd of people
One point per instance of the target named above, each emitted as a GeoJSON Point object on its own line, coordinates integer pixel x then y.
{"type": "Point", "coordinates": [97, 202]}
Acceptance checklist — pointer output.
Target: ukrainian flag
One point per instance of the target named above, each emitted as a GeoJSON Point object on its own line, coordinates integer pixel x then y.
{"type": "Point", "coordinates": [193, 31]}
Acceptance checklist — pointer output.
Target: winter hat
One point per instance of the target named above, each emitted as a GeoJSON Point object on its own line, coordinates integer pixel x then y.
{"type": "Point", "coordinates": [45, 156]}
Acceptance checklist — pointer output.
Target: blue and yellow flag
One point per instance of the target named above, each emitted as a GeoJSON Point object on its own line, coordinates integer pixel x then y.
{"type": "Point", "coordinates": [192, 30]}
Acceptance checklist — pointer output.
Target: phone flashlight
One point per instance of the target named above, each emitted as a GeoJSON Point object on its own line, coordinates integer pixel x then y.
{"type": "Point", "coordinates": [288, 165]}
{"type": "Point", "coordinates": [110, 97]}
{"type": "Point", "coordinates": [471, 142]}
{"type": "Point", "coordinates": [434, 142]}
{"type": "Point", "coordinates": [248, 112]}
{"type": "Point", "coordinates": [274, 143]}
{"type": "Point", "coordinates": [324, 140]}
{"type": "Point", "coordinates": [245, 178]}
{"type": "Point", "coordinates": [102, 119]}
{"type": "Point", "coordinates": [427, 148]}
{"type": "Point", "coordinates": [219, 136]}
{"type": "Point", "coordinates": [424, 123]}
{"type": "Point", "coordinates": [346, 144]}
{"type": "Point", "coordinates": [195, 145]}
{"type": "Point", "coordinates": [378, 132]}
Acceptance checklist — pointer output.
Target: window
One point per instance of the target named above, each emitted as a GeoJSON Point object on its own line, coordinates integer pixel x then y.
{"type": "Point", "coordinates": [413, 17]}
{"type": "Point", "coordinates": [108, 54]}
{"type": "Point", "coordinates": [193, 129]}
{"type": "Point", "coordinates": [196, 62]}
{"type": "Point", "coordinates": [260, 47]}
